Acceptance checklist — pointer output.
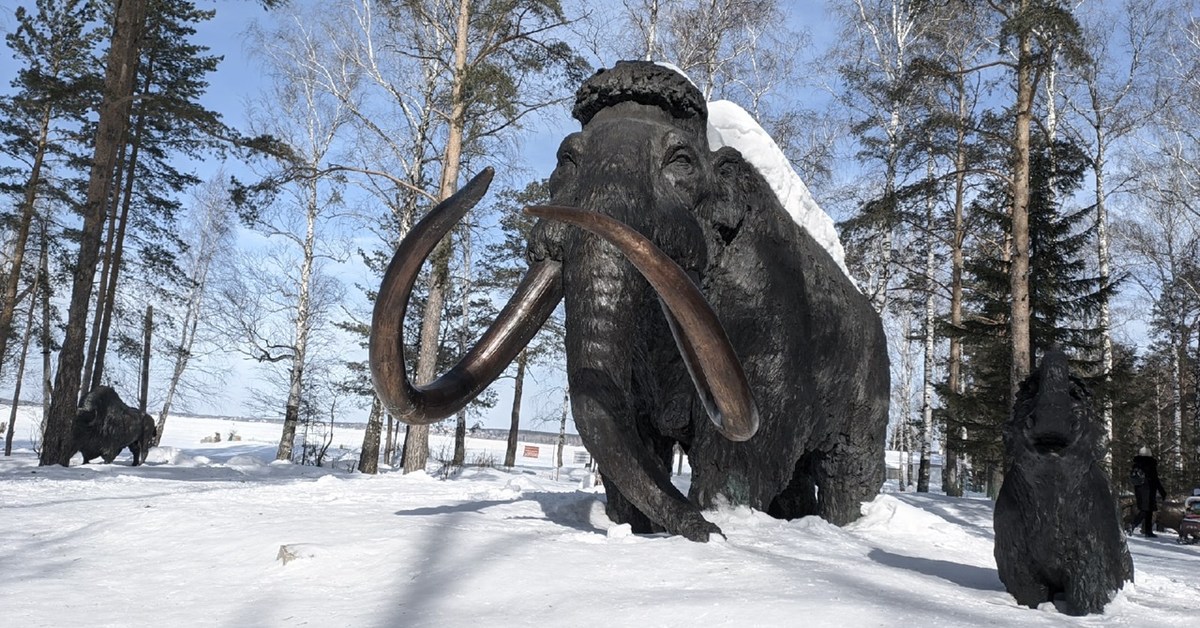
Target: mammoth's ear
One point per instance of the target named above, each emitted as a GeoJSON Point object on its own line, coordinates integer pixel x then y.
{"type": "Point", "coordinates": [732, 194]}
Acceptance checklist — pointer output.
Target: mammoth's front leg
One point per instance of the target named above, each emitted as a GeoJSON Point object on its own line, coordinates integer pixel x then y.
{"type": "Point", "coordinates": [604, 298]}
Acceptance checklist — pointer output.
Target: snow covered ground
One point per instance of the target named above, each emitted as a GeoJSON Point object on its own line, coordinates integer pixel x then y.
{"type": "Point", "coordinates": [199, 537]}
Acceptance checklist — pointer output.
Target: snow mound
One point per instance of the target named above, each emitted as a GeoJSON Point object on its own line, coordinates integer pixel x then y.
{"type": "Point", "coordinates": [622, 531]}
{"type": "Point", "coordinates": [165, 455]}
{"type": "Point", "coordinates": [887, 514]}
{"type": "Point", "coordinates": [243, 460]}
{"type": "Point", "coordinates": [730, 125]}
{"type": "Point", "coordinates": [510, 491]}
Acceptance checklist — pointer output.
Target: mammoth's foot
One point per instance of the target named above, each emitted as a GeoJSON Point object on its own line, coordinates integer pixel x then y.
{"type": "Point", "coordinates": [673, 516]}
{"type": "Point", "coordinates": [697, 529]}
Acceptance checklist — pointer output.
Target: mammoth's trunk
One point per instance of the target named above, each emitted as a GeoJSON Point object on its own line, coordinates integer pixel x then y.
{"type": "Point", "coordinates": [604, 298]}
{"type": "Point", "coordinates": [711, 361]}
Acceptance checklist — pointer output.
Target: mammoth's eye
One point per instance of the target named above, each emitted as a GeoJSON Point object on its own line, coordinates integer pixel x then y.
{"type": "Point", "coordinates": [681, 160]}
{"type": "Point", "coordinates": [566, 157]}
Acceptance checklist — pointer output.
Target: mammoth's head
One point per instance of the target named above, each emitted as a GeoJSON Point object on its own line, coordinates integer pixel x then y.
{"type": "Point", "coordinates": [1053, 414]}
{"type": "Point", "coordinates": [641, 157]}
{"type": "Point", "coordinates": [637, 176]}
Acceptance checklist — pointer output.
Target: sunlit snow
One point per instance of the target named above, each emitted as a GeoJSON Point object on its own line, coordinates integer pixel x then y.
{"type": "Point", "coordinates": [214, 534]}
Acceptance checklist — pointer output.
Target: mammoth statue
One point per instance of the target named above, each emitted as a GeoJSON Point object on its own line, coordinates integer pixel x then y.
{"type": "Point", "coordinates": [697, 313]}
{"type": "Point", "coordinates": [1058, 528]}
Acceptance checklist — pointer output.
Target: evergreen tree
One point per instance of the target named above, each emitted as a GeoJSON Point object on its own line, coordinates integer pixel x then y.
{"type": "Point", "coordinates": [503, 266]}
{"type": "Point", "coordinates": [1064, 297]}
{"type": "Point", "coordinates": [168, 123]}
{"type": "Point", "coordinates": [41, 123]}
{"type": "Point", "coordinates": [112, 124]}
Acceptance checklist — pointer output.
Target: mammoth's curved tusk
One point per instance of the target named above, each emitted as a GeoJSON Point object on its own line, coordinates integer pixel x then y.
{"type": "Point", "coordinates": [711, 361]}
{"type": "Point", "coordinates": [533, 302]}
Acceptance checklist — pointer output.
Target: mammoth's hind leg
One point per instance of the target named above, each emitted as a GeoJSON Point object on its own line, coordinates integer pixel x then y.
{"type": "Point", "coordinates": [847, 475]}
{"type": "Point", "coordinates": [799, 497]}
{"type": "Point", "coordinates": [135, 448]}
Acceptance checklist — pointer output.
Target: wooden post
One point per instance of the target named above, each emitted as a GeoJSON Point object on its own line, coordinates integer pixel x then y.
{"type": "Point", "coordinates": [142, 399]}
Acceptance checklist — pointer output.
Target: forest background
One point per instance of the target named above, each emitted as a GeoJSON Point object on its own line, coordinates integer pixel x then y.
{"type": "Point", "coordinates": [1006, 175]}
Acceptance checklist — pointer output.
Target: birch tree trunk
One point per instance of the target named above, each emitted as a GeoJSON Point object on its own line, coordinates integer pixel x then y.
{"type": "Point", "coordinates": [562, 433]}
{"type": "Point", "coordinates": [303, 325]}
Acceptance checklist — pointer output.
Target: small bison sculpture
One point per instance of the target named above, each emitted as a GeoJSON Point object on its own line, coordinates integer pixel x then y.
{"type": "Point", "coordinates": [104, 426]}
{"type": "Point", "coordinates": [1058, 530]}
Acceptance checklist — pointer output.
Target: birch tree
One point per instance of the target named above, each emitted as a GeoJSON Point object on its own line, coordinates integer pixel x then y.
{"type": "Point", "coordinates": [1118, 96]}
{"type": "Point", "coordinates": [880, 40]}
{"type": "Point", "coordinates": [306, 121]}
{"type": "Point", "coordinates": [210, 232]}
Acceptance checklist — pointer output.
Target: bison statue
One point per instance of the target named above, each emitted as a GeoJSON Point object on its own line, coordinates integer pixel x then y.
{"type": "Point", "coordinates": [104, 426]}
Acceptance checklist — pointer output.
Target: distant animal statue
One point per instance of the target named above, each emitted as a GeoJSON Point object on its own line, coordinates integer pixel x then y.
{"type": "Point", "coordinates": [104, 426]}
{"type": "Point", "coordinates": [1057, 523]}
{"type": "Point", "coordinates": [697, 312]}
{"type": "Point", "coordinates": [215, 438]}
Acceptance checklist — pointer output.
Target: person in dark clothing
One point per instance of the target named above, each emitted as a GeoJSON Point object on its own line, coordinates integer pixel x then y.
{"type": "Point", "coordinates": [1144, 477]}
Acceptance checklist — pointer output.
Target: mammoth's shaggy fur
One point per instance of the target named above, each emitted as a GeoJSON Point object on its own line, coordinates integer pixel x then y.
{"type": "Point", "coordinates": [1058, 531]}
{"type": "Point", "coordinates": [812, 348]}
{"type": "Point", "coordinates": [104, 426]}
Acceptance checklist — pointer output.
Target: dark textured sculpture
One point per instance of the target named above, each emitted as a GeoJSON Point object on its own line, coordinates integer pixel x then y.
{"type": "Point", "coordinates": [1058, 530]}
{"type": "Point", "coordinates": [104, 426]}
{"type": "Point", "coordinates": [681, 275]}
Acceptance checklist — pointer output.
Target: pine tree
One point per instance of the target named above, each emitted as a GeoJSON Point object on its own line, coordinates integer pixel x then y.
{"type": "Point", "coordinates": [1064, 296]}
{"type": "Point", "coordinates": [112, 124]}
{"type": "Point", "coordinates": [41, 121]}
{"type": "Point", "coordinates": [490, 55]}
{"type": "Point", "coordinates": [168, 122]}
